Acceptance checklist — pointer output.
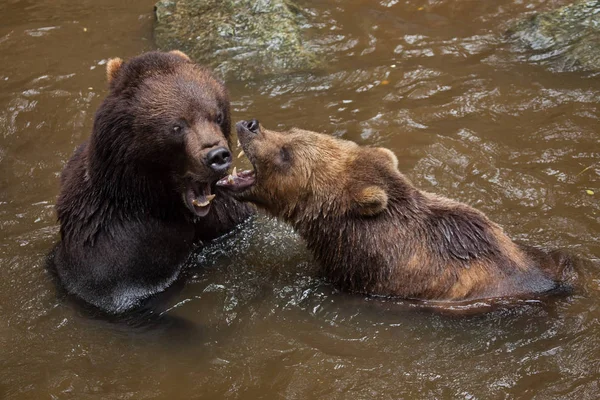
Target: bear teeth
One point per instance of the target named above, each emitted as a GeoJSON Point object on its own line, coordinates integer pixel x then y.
{"type": "Point", "coordinates": [206, 202]}
{"type": "Point", "coordinates": [234, 172]}
{"type": "Point", "coordinates": [241, 154]}
{"type": "Point", "coordinates": [230, 179]}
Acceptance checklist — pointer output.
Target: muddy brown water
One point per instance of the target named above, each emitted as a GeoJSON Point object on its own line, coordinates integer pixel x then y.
{"type": "Point", "coordinates": [432, 80]}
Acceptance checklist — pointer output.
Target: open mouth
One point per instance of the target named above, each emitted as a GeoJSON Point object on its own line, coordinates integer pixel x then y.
{"type": "Point", "coordinates": [238, 181]}
{"type": "Point", "coordinates": [197, 198]}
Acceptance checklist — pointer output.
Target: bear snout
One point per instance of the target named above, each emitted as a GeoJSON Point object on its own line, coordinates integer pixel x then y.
{"type": "Point", "coordinates": [253, 125]}
{"type": "Point", "coordinates": [219, 159]}
{"type": "Point", "coordinates": [250, 126]}
{"type": "Point", "coordinates": [248, 131]}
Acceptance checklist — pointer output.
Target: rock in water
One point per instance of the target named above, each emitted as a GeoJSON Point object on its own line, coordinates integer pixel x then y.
{"type": "Point", "coordinates": [566, 39]}
{"type": "Point", "coordinates": [240, 39]}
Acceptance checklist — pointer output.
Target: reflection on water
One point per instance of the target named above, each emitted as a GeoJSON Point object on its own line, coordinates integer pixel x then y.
{"type": "Point", "coordinates": [432, 80]}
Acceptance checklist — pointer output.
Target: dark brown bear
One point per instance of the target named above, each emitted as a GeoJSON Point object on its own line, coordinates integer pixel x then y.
{"type": "Point", "coordinates": [373, 231]}
{"type": "Point", "coordinates": [140, 193]}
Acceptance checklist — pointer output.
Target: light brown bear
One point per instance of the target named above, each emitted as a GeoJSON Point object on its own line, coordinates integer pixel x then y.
{"type": "Point", "coordinates": [374, 232]}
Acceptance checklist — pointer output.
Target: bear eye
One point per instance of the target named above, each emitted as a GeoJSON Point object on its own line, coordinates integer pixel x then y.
{"type": "Point", "coordinates": [219, 119]}
{"type": "Point", "coordinates": [177, 128]}
{"type": "Point", "coordinates": [285, 155]}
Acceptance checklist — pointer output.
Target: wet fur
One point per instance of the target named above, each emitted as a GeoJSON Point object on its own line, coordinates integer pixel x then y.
{"type": "Point", "coordinates": [125, 230]}
{"type": "Point", "coordinates": [374, 232]}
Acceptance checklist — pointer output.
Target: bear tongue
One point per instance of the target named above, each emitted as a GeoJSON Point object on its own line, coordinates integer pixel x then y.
{"type": "Point", "coordinates": [198, 199]}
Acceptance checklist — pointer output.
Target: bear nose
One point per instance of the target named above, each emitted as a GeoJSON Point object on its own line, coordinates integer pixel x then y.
{"type": "Point", "coordinates": [251, 125]}
{"type": "Point", "coordinates": [219, 159]}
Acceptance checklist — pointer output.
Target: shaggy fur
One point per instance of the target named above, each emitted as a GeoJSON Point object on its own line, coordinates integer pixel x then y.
{"type": "Point", "coordinates": [374, 232]}
{"type": "Point", "coordinates": [127, 221]}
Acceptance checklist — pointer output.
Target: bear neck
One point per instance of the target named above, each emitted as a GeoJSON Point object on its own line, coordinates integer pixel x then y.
{"type": "Point", "coordinates": [129, 185]}
{"type": "Point", "coordinates": [311, 213]}
{"type": "Point", "coordinates": [345, 243]}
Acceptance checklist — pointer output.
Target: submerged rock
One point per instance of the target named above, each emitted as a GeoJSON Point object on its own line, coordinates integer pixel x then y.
{"type": "Point", "coordinates": [240, 39]}
{"type": "Point", "coordinates": [566, 39]}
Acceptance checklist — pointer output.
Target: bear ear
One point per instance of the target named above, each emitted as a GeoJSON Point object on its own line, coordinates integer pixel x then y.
{"type": "Point", "coordinates": [180, 54]}
{"type": "Point", "coordinates": [389, 156]}
{"type": "Point", "coordinates": [112, 68]}
{"type": "Point", "coordinates": [370, 200]}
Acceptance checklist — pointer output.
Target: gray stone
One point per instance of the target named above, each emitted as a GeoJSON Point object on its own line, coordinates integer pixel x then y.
{"type": "Point", "coordinates": [565, 39]}
{"type": "Point", "coordinates": [240, 39]}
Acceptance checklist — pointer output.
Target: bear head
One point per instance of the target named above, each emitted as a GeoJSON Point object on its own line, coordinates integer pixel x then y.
{"type": "Point", "coordinates": [163, 128]}
{"type": "Point", "coordinates": [301, 175]}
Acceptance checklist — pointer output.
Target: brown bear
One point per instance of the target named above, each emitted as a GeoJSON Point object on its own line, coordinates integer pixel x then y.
{"type": "Point", "coordinates": [138, 195]}
{"type": "Point", "coordinates": [373, 231]}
